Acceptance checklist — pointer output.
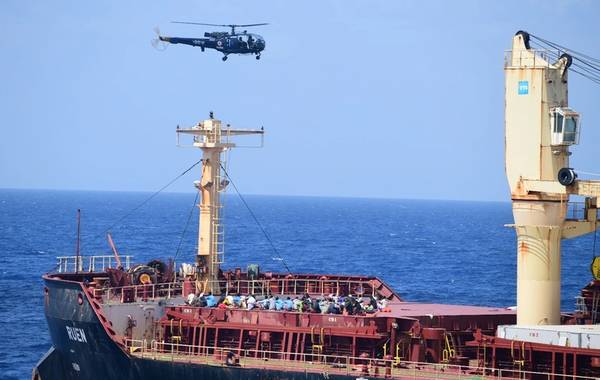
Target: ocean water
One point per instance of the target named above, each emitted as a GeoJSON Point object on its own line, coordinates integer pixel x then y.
{"type": "Point", "coordinates": [434, 251]}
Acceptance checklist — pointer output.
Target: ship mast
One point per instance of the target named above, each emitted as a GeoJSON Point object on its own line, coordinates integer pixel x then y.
{"type": "Point", "coordinates": [540, 127]}
{"type": "Point", "coordinates": [210, 136]}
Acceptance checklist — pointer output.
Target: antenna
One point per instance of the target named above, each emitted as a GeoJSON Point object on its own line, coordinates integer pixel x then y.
{"type": "Point", "coordinates": [78, 243]}
{"type": "Point", "coordinates": [213, 139]}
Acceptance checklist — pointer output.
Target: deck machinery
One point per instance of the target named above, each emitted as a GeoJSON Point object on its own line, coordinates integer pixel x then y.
{"type": "Point", "coordinates": [109, 323]}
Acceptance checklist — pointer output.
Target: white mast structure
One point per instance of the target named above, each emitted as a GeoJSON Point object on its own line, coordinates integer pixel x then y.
{"type": "Point", "coordinates": [540, 127]}
{"type": "Point", "coordinates": [210, 136]}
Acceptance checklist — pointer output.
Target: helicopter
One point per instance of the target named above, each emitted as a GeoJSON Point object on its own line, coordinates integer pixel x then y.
{"type": "Point", "coordinates": [224, 42]}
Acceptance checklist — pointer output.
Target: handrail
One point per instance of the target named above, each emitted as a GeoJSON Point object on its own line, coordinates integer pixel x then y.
{"type": "Point", "coordinates": [260, 288]}
{"type": "Point", "coordinates": [134, 293]}
{"type": "Point", "coordinates": [98, 263]}
{"type": "Point", "coordinates": [577, 211]}
{"type": "Point", "coordinates": [529, 57]}
{"type": "Point", "coordinates": [318, 362]}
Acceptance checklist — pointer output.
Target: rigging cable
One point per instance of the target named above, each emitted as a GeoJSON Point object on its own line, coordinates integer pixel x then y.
{"type": "Point", "coordinates": [566, 49]}
{"type": "Point", "coordinates": [121, 219]}
{"type": "Point", "coordinates": [587, 66]}
{"type": "Point", "coordinates": [588, 73]}
{"type": "Point", "coordinates": [588, 173]}
{"type": "Point", "coordinates": [187, 223]}
{"type": "Point", "coordinates": [278, 257]}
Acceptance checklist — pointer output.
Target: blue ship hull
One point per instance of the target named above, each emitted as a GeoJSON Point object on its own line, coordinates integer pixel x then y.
{"type": "Point", "coordinates": [83, 350]}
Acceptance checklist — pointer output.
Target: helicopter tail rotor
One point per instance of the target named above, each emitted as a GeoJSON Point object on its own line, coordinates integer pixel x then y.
{"type": "Point", "coordinates": [159, 43]}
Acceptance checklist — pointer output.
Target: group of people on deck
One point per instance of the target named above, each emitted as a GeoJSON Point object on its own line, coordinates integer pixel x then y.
{"type": "Point", "coordinates": [332, 304]}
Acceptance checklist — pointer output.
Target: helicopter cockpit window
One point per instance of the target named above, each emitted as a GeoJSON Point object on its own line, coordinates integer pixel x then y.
{"type": "Point", "coordinates": [243, 40]}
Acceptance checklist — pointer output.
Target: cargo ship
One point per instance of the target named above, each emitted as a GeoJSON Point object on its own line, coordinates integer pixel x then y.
{"type": "Point", "coordinates": [111, 319]}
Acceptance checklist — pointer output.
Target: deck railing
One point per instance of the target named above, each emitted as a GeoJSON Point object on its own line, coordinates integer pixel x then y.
{"type": "Point", "coordinates": [72, 264]}
{"type": "Point", "coordinates": [325, 364]}
{"type": "Point", "coordinates": [539, 58]}
{"type": "Point", "coordinates": [299, 286]}
{"type": "Point", "coordinates": [136, 293]}
{"type": "Point", "coordinates": [577, 211]}
{"type": "Point", "coordinates": [259, 288]}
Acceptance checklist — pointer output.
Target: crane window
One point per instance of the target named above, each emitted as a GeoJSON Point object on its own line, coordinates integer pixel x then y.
{"type": "Point", "coordinates": [565, 126]}
{"type": "Point", "coordinates": [570, 133]}
{"type": "Point", "coordinates": [558, 122]}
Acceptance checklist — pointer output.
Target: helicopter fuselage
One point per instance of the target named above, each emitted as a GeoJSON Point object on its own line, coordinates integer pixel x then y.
{"type": "Point", "coordinates": [226, 43]}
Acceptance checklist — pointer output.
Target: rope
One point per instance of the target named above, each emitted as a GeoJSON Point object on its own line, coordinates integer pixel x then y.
{"type": "Point", "coordinates": [278, 257]}
{"type": "Point", "coordinates": [121, 219]}
{"type": "Point", "coordinates": [187, 223]}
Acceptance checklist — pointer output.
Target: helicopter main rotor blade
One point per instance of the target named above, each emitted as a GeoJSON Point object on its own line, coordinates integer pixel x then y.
{"type": "Point", "coordinates": [198, 23]}
{"type": "Point", "coordinates": [223, 25]}
{"type": "Point", "coordinates": [244, 25]}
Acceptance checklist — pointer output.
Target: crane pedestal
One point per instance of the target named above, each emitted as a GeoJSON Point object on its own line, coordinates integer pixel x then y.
{"type": "Point", "coordinates": [538, 225]}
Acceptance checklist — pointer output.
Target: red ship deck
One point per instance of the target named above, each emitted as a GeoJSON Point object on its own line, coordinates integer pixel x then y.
{"type": "Point", "coordinates": [417, 309]}
{"type": "Point", "coordinates": [401, 335]}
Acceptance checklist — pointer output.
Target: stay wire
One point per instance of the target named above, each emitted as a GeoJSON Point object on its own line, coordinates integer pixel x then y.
{"type": "Point", "coordinates": [256, 220]}
{"type": "Point", "coordinates": [127, 215]}
{"type": "Point", "coordinates": [590, 66]}
{"type": "Point", "coordinates": [590, 72]}
{"type": "Point", "coordinates": [566, 49]}
{"type": "Point", "coordinates": [593, 79]}
{"type": "Point", "coordinates": [593, 71]}
{"type": "Point", "coordinates": [588, 173]}
{"type": "Point", "coordinates": [587, 64]}
{"type": "Point", "coordinates": [187, 224]}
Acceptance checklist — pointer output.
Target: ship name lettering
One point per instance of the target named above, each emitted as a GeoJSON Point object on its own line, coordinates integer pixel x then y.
{"type": "Point", "coordinates": [76, 334]}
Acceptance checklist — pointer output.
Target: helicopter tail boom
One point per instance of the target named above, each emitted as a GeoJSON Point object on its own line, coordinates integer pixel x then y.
{"type": "Point", "coordinates": [200, 42]}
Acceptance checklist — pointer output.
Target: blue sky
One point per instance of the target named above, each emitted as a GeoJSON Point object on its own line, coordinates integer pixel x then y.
{"type": "Point", "coordinates": [395, 99]}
